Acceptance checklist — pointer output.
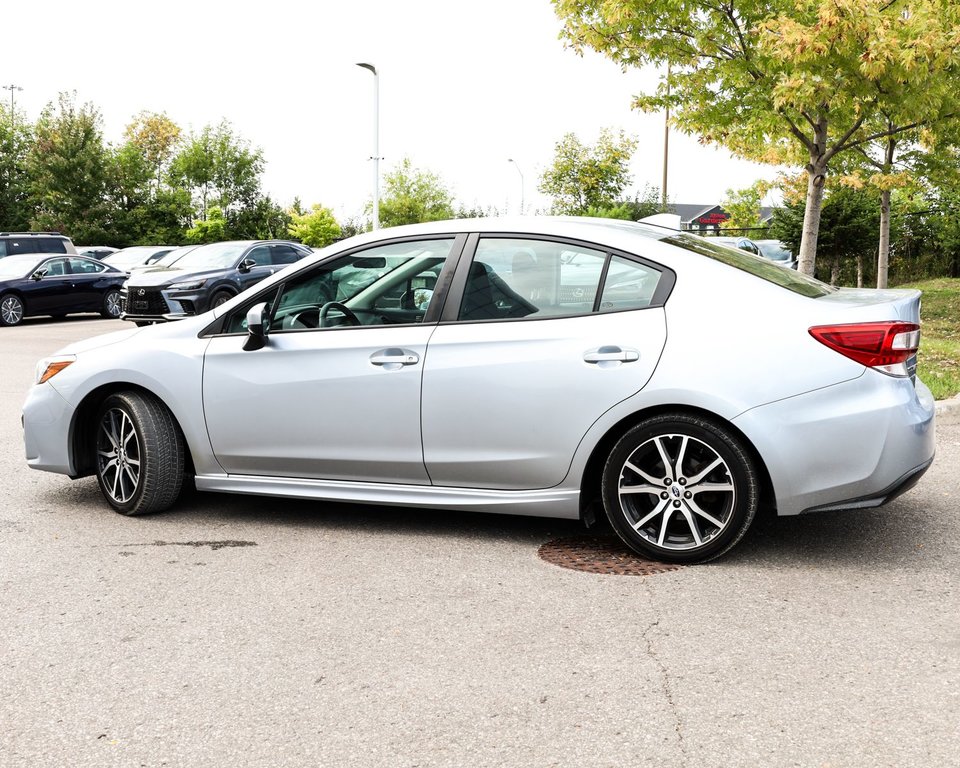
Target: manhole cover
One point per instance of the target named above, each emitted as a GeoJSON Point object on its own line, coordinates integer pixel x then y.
{"type": "Point", "coordinates": [599, 554]}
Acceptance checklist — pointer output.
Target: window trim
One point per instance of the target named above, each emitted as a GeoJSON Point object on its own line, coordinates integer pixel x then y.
{"type": "Point", "coordinates": [451, 309]}
{"type": "Point", "coordinates": [456, 238]}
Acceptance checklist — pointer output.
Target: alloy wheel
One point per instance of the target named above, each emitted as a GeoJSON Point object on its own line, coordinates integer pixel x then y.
{"type": "Point", "coordinates": [118, 455]}
{"type": "Point", "coordinates": [11, 310]}
{"type": "Point", "coordinates": [676, 492]}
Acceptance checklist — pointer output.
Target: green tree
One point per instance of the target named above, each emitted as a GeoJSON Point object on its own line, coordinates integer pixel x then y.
{"type": "Point", "coordinates": [317, 227]}
{"type": "Point", "coordinates": [67, 166]}
{"type": "Point", "coordinates": [156, 136]}
{"type": "Point", "coordinates": [15, 140]}
{"type": "Point", "coordinates": [743, 205]}
{"type": "Point", "coordinates": [785, 81]}
{"type": "Point", "coordinates": [219, 168]}
{"type": "Point", "coordinates": [643, 204]}
{"type": "Point", "coordinates": [261, 219]}
{"type": "Point", "coordinates": [411, 196]}
{"type": "Point", "coordinates": [212, 229]}
{"type": "Point", "coordinates": [583, 177]}
{"type": "Point", "coordinates": [849, 220]}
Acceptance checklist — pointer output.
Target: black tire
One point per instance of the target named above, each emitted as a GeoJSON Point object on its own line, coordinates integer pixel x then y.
{"type": "Point", "coordinates": [680, 489]}
{"type": "Point", "coordinates": [111, 304]}
{"type": "Point", "coordinates": [139, 454]}
{"type": "Point", "coordinates": [142, 323]}
{"type": "Point", "coordinates": [220, 297]}
{"type": "Point", "coordinates": [11, 309]}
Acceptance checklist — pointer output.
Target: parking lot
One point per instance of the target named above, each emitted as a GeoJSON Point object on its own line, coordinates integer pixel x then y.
{"type": "Point", "coordinates": [265, 632]}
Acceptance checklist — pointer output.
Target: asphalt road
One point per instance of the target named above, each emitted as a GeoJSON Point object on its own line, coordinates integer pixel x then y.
{"type": "Point", "coordinates": [236, 631]}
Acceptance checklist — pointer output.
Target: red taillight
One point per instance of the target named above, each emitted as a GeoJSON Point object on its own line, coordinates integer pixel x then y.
{"type": "Point", "coordinates": [886, 346]}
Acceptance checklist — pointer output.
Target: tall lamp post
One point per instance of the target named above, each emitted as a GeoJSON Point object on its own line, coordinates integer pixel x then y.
{"type": "Point", "coordinates": [376, 143]}
{"type": "Point", "coordinates": [12, 88]}
{"type": "Point", "coordinates": [515, 165]}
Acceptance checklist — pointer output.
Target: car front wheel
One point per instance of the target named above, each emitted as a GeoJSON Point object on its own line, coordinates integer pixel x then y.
{"type": "Point", "coordinates": [220, 297]}
{"type": "Point", "coordinates": [680, 489]}
{"type": "Point", "coordinates": [140, 454]}
{"type": "Point", "coordinates": [11, 310]}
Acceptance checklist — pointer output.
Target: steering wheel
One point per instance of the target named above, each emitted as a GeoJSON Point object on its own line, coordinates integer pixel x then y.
{"type": "Point", "coordinates": [351, 318]}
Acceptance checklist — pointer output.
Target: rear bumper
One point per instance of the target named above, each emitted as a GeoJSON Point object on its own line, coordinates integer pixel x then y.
{"type": "Point", "coordinates": [854, 445]}
{"type": "Point", "coordinates": [902, 485]}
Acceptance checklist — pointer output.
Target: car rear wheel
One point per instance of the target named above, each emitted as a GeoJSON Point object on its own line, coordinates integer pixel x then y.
{"type": "Point", "coordinates": [680, 489]}
{"type": "Point", "coordinates": [11, 310]}
{"type": "Point", "coordinates": [111, 304]}
{"type": "Point", "coordinates": [140, 454]}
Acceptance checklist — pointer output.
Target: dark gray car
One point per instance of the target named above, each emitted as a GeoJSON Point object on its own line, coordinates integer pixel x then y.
{"type": "Point", "coordinates": [204, 278]}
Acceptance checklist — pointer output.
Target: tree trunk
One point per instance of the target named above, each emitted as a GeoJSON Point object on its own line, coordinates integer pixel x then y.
{"type": "Point", "coordinates": [883, 256]}
{"type": "Point", "coordinates": [859, 270]}
{"type": "Point", "coordinates": [816, 175]}
{"type": "Point", "coordinates": [835, 272]}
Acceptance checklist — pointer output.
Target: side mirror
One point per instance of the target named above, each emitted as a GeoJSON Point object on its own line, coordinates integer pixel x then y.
{"type": "Point", "coordinates": [258, 322]}
{"type": "Point", "coordinates": [38, 275]}
{"type": "Point", "coordinates": [246, 265]}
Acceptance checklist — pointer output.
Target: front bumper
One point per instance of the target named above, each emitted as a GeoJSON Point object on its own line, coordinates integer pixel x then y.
{"type": "Point", "coordinates": [158, 305]}
{"type": "Point", "coordinates": [47, 430]}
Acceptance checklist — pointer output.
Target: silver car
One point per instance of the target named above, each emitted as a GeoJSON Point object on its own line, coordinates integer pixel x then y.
{"type": "Point", "coordinates": [535, 366]}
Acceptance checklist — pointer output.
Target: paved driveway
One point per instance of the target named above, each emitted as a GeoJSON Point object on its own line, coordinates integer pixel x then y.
{"type": "Point", "coordinates": [238, 631]}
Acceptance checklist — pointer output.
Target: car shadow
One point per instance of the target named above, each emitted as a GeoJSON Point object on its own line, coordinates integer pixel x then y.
{"type": "Point", "coordinates": [895, 536]}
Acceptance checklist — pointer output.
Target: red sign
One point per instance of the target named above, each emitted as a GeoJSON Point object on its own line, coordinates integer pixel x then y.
{"type": "Point", "coordinates": [713, 218]}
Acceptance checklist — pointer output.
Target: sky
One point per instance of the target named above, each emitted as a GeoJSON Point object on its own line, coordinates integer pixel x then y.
{"type": "Point", "coordinates": [463, 88]}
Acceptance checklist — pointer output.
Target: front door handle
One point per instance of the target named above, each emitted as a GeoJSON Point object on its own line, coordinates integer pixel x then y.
{"type": "Point", "coordinates": [394, 358]}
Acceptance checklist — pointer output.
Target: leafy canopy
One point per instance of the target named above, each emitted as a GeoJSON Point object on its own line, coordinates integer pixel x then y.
{"type": "Point", "coordinates": [585, 178]}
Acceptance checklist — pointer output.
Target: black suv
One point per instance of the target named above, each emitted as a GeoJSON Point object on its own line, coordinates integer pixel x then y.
{"type": "Point", "coordinates": [204, 278]}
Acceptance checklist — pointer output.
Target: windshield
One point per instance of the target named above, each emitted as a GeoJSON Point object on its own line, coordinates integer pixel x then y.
{"type": "Point", "coordinates": [175, 255]}
{"type": "Point", "coordinates": [755, 265]}
{"type": "Point", "coordinates": [16, 266]}
{"type": "Point", "coordinates": [128, 257]}
{"type": "Point", "coordinates": [212, 256]}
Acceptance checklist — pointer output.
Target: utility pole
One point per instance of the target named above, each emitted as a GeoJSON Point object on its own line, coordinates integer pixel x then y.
{"type": "Point", "coordinates": [515, 165]}
{"type": "Point", "coordinates": [12, 88]}
{"type": "Point", "coordinates": [666, 143]}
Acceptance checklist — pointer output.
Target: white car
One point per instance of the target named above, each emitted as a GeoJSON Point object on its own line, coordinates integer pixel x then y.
{"type": "Point", "coordinates": [532, 366]}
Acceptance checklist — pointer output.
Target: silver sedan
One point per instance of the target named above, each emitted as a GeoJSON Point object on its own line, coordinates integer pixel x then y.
{"type": "Point", "coordinates": [540, 366]}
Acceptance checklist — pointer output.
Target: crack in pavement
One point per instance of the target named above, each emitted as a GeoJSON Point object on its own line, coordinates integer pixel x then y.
{"type": "Point", "coordinates": [665, 680]}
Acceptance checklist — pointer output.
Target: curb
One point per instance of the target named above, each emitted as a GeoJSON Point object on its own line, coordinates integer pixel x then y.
{"type": "Point", "coordinates": [948, 406]}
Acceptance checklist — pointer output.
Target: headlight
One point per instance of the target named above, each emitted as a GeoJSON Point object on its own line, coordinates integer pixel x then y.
{"type": "Point", "coordinates": [189, 286]}
{"type": "Point", "coordinates": [51, 366]}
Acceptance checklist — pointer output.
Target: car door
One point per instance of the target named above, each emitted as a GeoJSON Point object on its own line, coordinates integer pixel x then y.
{"type": "Point", "coordinates": [52, 293]}
{"type": "Point", "coordinates": [328, 400]}
{"type": "Point", "coordinates": [264, 266]}
{"type": "Point", "coordinates": [546, 338]}
{"type": "Point", "coordinates": [87, 284]}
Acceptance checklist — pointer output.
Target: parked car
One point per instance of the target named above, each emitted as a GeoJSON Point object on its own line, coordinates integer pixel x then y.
{"type": "Point", "coordinates": [137, 255]}
{"type": "Point", "coordinates": [14, 243]}
{"type": "Point", "coordinates": [164, 261]}
{"type": "Point", "coordinates": [400, 367]}
{"type": "Point", "coordinates": [37, 284]}
{"type": "Point", "coordinates": [773, 250]}
{"type": "Point", "coordinates": [205, 277]}
{"type": "Point", "coordinates": [778, 252]}
{"type": "Point", "coordinates": [95, 251]}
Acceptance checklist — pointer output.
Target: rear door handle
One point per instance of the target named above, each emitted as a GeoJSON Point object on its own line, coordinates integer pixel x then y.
{"type": "Point", "coordinates": [394, 358]}
{"type": "Point", "coordinates": [605, 356]}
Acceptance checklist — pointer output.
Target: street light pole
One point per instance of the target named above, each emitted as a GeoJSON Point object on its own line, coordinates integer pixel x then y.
{"type": "Point", "coordinates": [376, 143]}
{"type": "Point", "coordinates": [516, 165]}
{"type": "Point", "coordinates": [12, 88]}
